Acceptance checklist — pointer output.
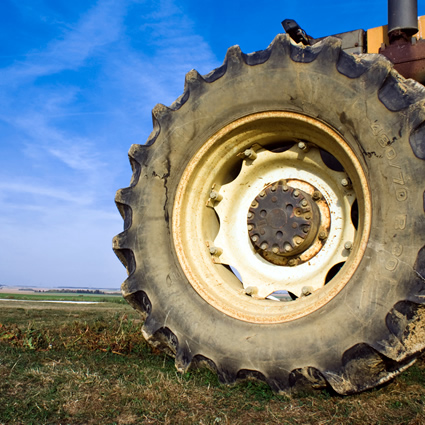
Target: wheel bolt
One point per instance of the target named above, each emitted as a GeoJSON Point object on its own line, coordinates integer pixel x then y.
{"type": "Point", "coordinates": [215, 196]}
{"type": "Point", "coordinates": [250, 154]}
{"type": "Point", "coordinates": [250, 214]}
{"type": "Point", "coordinates": [296, 193]}
{"type": "Point", "coordinates": [322, 236]}
{"type": "Point", "coordinates": [316, 195]}
{"type": "Point", "coordinates": [288, 247]}
{"type": "Point", "coordinates": [346, 183]}
{"type": "Point", "coordinates": [215, 251]}
{"type": "Point", "coordinates": [275, 250]}
{"type": "Point", "coordinates": [303, 146]}
{"type": "Point", "coordinates": [264, 245]}
{"type": "Point", "coordinates": [255, 238]}
{"type": "Point", "coordinates": [250, 227]}
{"type": "Point", "coordinates": [262, 194]}
{"type": "Point", "coordinates": [304, 203]}
{"type": "Point", "coordinates": [298, 240]}
{"type": "Point", "coordinates": [292, 262]}
{"type": "Point", "coordinates": [348, 246]}
{"type": "Point", "coordinates": [307, 290]}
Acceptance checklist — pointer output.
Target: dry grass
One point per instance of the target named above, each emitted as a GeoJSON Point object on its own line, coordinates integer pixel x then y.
{"type": "Point", "coordinates": [89, 366]}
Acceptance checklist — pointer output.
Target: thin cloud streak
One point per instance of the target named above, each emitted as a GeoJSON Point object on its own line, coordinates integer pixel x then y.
{"type": "Point", "coordinates": [69, 133]}
{"type": "Point", "coordinates": [98, 28]}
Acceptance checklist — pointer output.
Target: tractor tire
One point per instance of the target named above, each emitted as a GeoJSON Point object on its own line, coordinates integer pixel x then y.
{"type": "Point", "coordinates": [294, 171]}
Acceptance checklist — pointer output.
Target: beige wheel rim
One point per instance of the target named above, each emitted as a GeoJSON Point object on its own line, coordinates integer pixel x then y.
{"type": "Point", "coordinates": [209, 223]}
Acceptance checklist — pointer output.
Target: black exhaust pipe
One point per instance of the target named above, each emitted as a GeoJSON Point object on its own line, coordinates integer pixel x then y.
{"type": "Point", "coordinates": [402, 17]}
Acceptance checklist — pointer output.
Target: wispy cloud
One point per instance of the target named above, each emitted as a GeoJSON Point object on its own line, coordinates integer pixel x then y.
{"type": "Point", "coordinates": [20, 189]}
{"type": "Point", "coordinates": [70, 110]}
{"type": "Point", "coordinates": [100, 26]}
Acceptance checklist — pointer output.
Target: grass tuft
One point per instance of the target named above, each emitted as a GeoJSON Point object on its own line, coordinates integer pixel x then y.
{"type": "Point", "coordinates": [90, 365]}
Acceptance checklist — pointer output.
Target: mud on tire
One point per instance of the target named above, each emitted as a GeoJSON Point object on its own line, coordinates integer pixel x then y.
{"type": "Point", "coordinates": [345, 135]}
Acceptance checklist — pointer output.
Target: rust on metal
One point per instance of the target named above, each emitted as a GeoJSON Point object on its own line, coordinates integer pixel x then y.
{"type": "Point", "coordinates": [282, 222]}
{"type": "Point", "coordinates": [408, 57]}
{"type": "Point", "coordinates": [213, 282]}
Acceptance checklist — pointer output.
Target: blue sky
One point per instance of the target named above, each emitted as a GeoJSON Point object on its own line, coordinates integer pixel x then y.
{"type": "Point", "coordinates": [77, 83]}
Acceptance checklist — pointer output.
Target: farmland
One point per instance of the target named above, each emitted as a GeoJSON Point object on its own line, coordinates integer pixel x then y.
{"type": "Point", "coordinates": [88, 363]}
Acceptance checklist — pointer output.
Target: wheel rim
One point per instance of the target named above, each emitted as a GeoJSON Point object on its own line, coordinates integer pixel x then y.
{"type": "Point", "coordinates": [217, 220]}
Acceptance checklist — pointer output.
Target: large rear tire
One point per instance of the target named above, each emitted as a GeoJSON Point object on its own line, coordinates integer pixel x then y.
{"type": "Point", "coordinates": [294, 171]}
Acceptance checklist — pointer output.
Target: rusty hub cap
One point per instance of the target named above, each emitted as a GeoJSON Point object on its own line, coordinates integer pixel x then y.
{"type": "Point", "coordinates": [282, 222]}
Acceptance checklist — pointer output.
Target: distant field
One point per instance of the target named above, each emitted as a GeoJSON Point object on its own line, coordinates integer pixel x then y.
{"type": "Point", "coordinates": [88, 364]}
{"type": "Point", "coordinates": [61, 296]}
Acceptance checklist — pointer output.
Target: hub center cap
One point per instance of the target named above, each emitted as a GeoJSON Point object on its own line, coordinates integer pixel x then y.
{"type": "Point", "coordinates": [282, 221]}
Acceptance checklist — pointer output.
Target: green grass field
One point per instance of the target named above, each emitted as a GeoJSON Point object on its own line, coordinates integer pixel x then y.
{"type": "Point", "coordinates": [63, 296]}
{"type": "Point", "coordinates": [88, 364]}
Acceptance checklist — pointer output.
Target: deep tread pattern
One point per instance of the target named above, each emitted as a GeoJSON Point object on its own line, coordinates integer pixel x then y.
{"type": "Point", "coordinates": [417, 141]}
{"type": "Point", "coordinates": [350, 66]}
{"type": "Point", "coordinates": [362, 366]}
{"type": "Point", "coordinates": [126, 256]}
{"type": "Point", "coordinates": [305, 54]}
{"type": "Point", "coordinates": [140, 302]}
{"type": "Point", "coordinates": [257, 58]}
{"type": "Point", "coordinates": [406, 321]}
{"type": "Point", "coordinates": [126, 213]}
{"type": "Point", "coordinates": [397, 93]}
{"type": "Point", "coordinates": [306, 379]}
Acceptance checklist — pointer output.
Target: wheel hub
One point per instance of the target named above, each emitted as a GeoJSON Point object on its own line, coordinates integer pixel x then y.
{"type": "Point", "coordinates": [282, 222]}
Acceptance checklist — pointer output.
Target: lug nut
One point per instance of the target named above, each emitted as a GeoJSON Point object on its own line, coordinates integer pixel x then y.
{"type": "Point", "coordinates": [275, 250]}
{"type": "Point", "coordinates": [288, 247]}
{"type": "Point", "coordinates": [292, 262]}
{"type": "Point", "coordinates": [251, 290]}
{"type": "Point", "coordinates": [250, 215]}
{"type": "Point", "coordinates": [303, 146]}
{"type": "Point", "coordinates": [296, 193]}
{"type": "Point", "coordinates": [348, 246]}
{"type": "Point", "coordinates": [215, 251]}
{"type": "Point", "coordinates": [264, 246]}
{"type": "Point", "coordinates": [250, 154]}
{"type": "Point", "coordinates": [346, 183]}
{"type": "Point", "coordinates": [316, 195]}
{"type": "Point", "coordinates": [255, 238]}
{"type": "Point", "coordinates": [307, 290]}
{"type": "Point", "coordinates": [298, 240]}
{"type": "Point", "coordinates": [215, 196]}
{"type": "Point", "coordinates": [304, 203]}
{"type": "Point", "coordinates": [322, 236]}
